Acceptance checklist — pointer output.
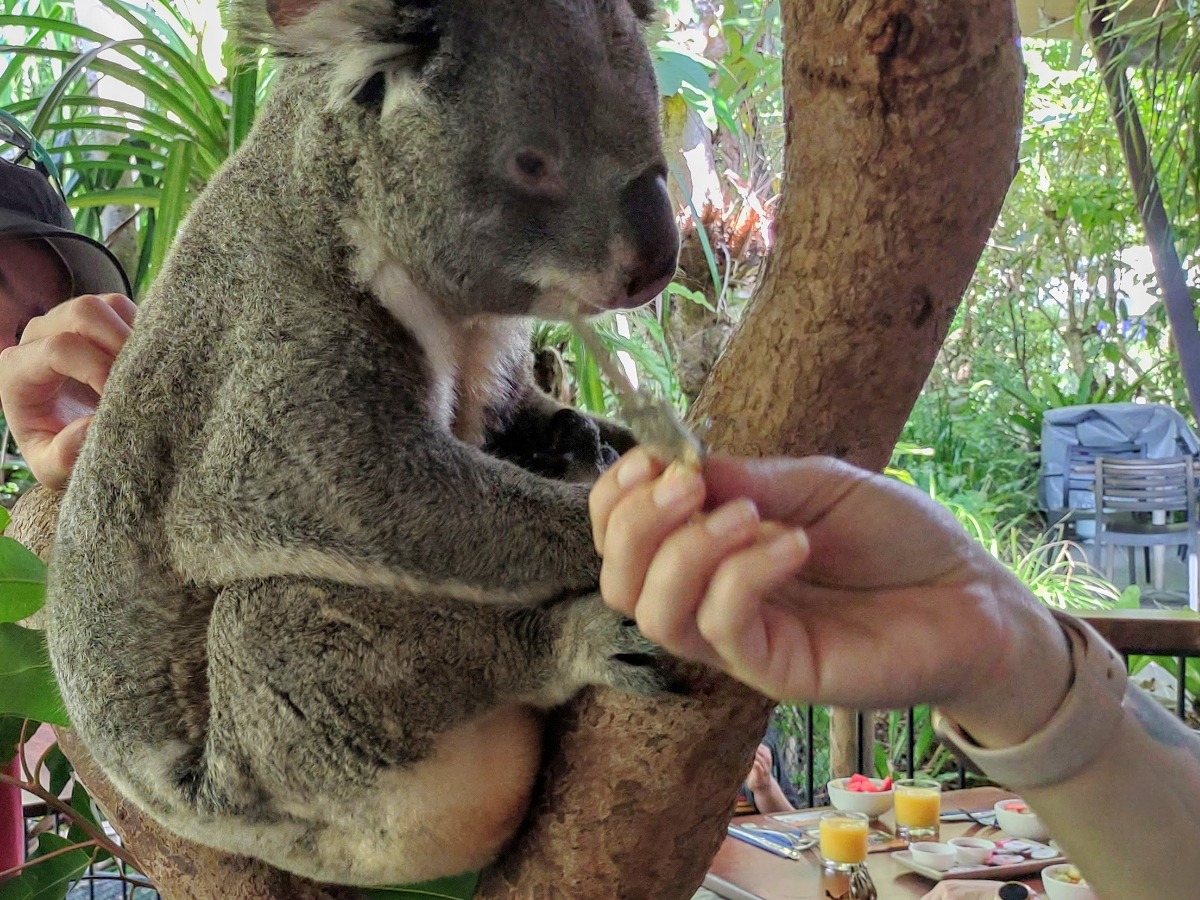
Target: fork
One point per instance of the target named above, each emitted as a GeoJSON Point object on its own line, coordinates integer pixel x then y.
{"type": "Point", "coordinates": [977, 820]}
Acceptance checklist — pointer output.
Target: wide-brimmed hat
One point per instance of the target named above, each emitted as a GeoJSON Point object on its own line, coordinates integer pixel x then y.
{"type": "Point", "coordinates": [32, 207]}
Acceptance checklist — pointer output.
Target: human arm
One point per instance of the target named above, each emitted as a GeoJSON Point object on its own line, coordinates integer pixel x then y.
{"type": "Point", "coordinates": [953, 889]}
{"type": "Point", "coordinates": [856, 570]}
{"type": "Point", "coordinates": [51, 381]}
{"type": "Point", "coordinates": [764, 786]}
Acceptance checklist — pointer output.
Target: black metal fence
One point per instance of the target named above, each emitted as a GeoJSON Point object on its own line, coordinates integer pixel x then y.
{"type": "Point", "coordinates": [813, 793]}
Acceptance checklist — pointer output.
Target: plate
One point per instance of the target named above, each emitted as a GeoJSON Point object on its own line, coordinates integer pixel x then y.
{"type": "Point", "coordinates": [1027, 865]}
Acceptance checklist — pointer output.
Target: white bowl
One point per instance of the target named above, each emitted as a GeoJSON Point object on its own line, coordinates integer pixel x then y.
{"type": "Point", "coordinates": [873, 804]}
{"type": "Point", "coordinates": [1064, 890]}
{"type": "Point", "coordinates": [932, 854]}
{"type": "Point", "coordinates": [971, 851]}
{"type": "Point", "coordinates": [1020, 825]}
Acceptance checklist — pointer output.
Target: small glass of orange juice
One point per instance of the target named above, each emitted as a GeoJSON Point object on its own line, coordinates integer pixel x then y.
{"type": "Point", "coordinates": [918, 803]}
{"type": "Point", "coordinates": [843, 840]}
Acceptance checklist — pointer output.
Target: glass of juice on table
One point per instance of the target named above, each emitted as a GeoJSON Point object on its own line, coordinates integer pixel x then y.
{"type": "Point", "coordinates": [918, 803]}
{"type": "Point", "coordinates": [843, 840]}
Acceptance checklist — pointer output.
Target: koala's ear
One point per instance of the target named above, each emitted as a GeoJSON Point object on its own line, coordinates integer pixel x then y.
{"type": "Point", "coordinates": [284, 12]}
{"type": "Point", "coordinates": [646, 10]}
{"type": "Point", "coordinates": [373, 48]}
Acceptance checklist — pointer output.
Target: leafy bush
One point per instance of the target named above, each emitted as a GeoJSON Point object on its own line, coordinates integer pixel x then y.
{"type": "Point", "coordinates": [137, 124]}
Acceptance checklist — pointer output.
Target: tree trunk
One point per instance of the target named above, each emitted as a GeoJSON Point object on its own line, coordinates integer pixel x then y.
{"type": "Point", "coordinates": [903, 119]}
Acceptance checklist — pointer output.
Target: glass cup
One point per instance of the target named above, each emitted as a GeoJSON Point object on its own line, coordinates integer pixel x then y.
{"type": "Point", "coordinates": [843, 840]}
{"type": "Point", "coordinates": [918, 804]}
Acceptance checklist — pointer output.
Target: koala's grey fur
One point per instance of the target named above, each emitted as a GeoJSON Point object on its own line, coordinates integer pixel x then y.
{"type": "Point", "coordinates": [296, 610]}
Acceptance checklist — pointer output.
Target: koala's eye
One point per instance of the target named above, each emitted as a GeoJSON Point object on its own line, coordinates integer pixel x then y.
{"type": "Point", "coordinates": [646, 10]}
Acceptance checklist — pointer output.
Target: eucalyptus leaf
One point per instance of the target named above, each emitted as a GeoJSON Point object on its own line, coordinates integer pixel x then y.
{"type": "Point", "coordinates": [59, 768]}
{"type": "Point", "coordinates": [49, 880]}
{"type": "Point", "coordinates": [22, 582]}
{"type": "Point", "coordinates": [27, 686]}
{"type": "Point", "coordinates": [11, 728]}
{"type": "Point", "coordinates": [675, 68]}
{"type": "Point", "coordinates": [454, 887]}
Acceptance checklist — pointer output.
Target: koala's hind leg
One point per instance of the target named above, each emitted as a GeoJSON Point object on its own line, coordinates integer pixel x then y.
{"type": "Point", "coordinates": [368, 737]}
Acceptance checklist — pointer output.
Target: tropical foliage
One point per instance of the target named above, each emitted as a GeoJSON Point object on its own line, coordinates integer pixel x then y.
{"type": "Point", "coordinates": [140, 102]}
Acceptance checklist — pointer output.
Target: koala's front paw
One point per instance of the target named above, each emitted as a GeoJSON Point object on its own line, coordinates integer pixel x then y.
{"type": "Point", "coordinates": [604, 647]}
{"type": "Point", "coordinates": [566, 446]}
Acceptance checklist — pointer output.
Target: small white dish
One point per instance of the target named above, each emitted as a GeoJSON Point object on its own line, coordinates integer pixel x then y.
{"type": "Point", "coordinates": [1064, 890]}
{"type": "Point", "coordinates": [933, 854]}
{"type": "Point", "coordinates": [1024, 825]}
{"type": "Point", "coordinates": [970, 851]}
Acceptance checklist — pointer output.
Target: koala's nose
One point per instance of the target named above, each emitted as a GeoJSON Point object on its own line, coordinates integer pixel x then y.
{"type": "Point", "coordinates": [534, 173]}
{"type": "Point", "coordinates": [647, 210]}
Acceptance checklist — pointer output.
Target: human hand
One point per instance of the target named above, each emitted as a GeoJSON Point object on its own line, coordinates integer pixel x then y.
{"type": "Point", "coordinates": [51, 382]}
{"type": "Point", "coordinates": [954, 889]}
{"type": "Point", "coordinates": [816, 581]}
{"type": "Point", "coordinates": [759, 779]}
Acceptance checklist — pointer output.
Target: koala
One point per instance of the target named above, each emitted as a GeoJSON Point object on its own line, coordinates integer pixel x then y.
{"type": "Point", "coordinates": [304, 603]}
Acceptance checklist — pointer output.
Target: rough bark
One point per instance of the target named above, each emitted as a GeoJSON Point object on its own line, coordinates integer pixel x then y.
{"type": "Point", "coordinates": [903, 118]}
{"type": "Point", "coordinates": [903, 122]}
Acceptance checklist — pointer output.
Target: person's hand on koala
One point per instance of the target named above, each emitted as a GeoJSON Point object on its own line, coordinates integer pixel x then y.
{"type": "Point", "coordinates": [51, 381]}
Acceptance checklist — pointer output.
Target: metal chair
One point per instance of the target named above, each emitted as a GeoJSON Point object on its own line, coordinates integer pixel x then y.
{"type": "Point", "coordinates": [1147, 503]}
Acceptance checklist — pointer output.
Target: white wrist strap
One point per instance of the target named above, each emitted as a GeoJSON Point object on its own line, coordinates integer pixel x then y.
{"type": "Point", "coordinates": [1078, 732]}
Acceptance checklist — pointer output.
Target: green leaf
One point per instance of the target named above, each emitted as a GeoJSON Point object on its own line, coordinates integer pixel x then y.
{"type": "Point", "coordinates": [27, 686]}
{"type": "Point", "coordinates": [5, 518]}
{"type": "Point", "coordinates": [81, 804]}
{"type": "Point", "coordinates": [454, 887]}
{"type": "Point", "coordinates": [243, 88]}
{"type": "Point", "coordinates": [22, 581]}
{"type": "Point", "coordinates": [1131, 598]}
{"type": "Point", "coordinates": [675, 68]}
{"type": "Point", "coordinates": [51, 879]}
{"type": "Point", "coordinates": [11, 728]}
{"type": "Point", "coordinates": [173, 204]}
{"type": "Point", "coordinates": [587, 377]}
{"type": "Point", "coordinates": [59, 768]}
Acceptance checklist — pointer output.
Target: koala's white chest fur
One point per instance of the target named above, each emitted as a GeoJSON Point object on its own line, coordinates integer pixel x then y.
{"type": "Point", "coordinates": [471, 362]}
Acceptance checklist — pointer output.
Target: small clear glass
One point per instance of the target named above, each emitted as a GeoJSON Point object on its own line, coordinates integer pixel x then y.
{"type": "Point", "coordinates": [843, 840]}
{"type": "Point", "coordinates": [918, 805]}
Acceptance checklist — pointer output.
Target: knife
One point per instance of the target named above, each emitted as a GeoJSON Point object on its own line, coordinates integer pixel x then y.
{"type": "Point", "coordinates": [766, 842]}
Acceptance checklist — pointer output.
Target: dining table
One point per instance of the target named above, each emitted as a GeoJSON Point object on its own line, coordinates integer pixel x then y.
{"type": "Point", "coordinates": [741, 871]}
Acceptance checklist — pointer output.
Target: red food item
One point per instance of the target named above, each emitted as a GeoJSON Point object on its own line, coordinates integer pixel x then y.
{"type": "Point", "coordinates": [861, 784]}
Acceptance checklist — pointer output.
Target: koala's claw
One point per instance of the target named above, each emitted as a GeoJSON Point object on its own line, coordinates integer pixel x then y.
{"type": "Point", "coordinates": [609, 649]}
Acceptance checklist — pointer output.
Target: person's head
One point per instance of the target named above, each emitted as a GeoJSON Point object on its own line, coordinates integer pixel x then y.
{"type": "Point", "coordinates": [42, 260]}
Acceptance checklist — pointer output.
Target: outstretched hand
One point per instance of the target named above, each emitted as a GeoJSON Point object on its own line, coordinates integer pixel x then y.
{"type": "Point", "coordinates": [51, 382]}
{"type": "Point", "coordinates": [815, 581]}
